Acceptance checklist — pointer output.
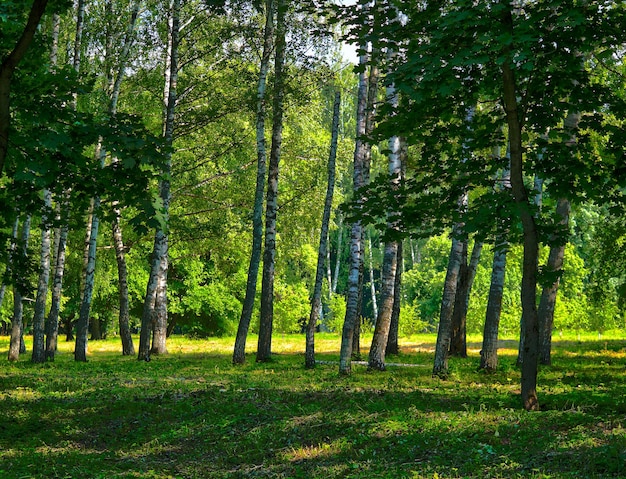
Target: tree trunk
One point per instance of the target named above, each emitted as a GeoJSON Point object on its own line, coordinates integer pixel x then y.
{"type": "Point", "coordinates": [530, 236]}
{"type": "Point", "coordinates": [444, 333]}
{"type": "Point", "coordinates": [370, 267]}
{"type": "Point", "coordinates": [39, 346]}
{"type": "Point", "coordinates": [154, 316]}
{"type": "Point", "coordinates": [264, 348]}
{"type": "Point", "coordinates": [489, 351]}
{"type": "Point", "coordinates": [52, 325]}
{"type": "Point", "coordinates": [316, 301]}
{"type": "Point", "coordinates": [364, 121]}
{"type": "Point", "coordinates": [82, 325]}
{"type": "Point", "coordinates": [392, 339]}
{"type": "Point", "coordinates": [7, 69]}
{"type": "Point", "coordinates": [17, 329]}
{"type": "Point", "coordinates": [338, 257]}
{"type": "Point", "coordinates": [128, 348]}
{"type": "Point", "coordinates": [458, 345]}
{"type": "Point", "coordinates": [390, 256]}
{"type": "Point", "coordinates": [239, 352]}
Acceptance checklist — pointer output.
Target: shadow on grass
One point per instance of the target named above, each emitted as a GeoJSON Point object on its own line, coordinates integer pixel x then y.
{"type": "Point", "coordinates": [196, 416]}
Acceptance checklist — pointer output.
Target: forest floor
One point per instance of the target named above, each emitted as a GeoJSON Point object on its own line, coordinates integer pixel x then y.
{"type": "Point", "coordinates": [192, 414]}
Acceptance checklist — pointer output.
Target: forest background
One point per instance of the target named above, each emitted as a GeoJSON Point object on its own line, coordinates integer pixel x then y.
{"type": "Point", "coordinates": [94, 135]}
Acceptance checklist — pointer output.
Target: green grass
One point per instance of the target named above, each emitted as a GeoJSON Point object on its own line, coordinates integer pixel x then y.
{"type": "Point", "coordinates": [191, 414]}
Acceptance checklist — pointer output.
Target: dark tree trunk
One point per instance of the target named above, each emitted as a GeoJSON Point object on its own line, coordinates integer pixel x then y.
{"type": "Point", "coordinates": [316, 301]}
{"type": "Point", "coordinates": [530, 351]}
{"type": "Point", "coordinates": [7, 69]}
{"type": "Point", "coordinates": [264, 349]}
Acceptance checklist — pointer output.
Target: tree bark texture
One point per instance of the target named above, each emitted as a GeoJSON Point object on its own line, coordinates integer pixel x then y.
{"type": "Point", "coordinates": [39, 317]}
{"type": "Point", "coordinates": [390, 255]}
{"type": "Point", "coordinates": [52, 324]}
{"type": "Point", "coordinates": [264, 348]}
{"type": "Point", "coordinates": [458, 343]}
{"type": "Point", "coordinates": [316, 301]}
{"type": "Point", "coordinates": [356, 231]}
{"type": "Point", "coordinates": [442, 347]}
{"type": "Point", "coordinates": [7, 68]}
{"type": "Point", "coordinates": [394, 326]}
{"type": "Point", "coordinates": [489, 351]}
{"type": "Point", "coordinates": [82, 325]}
{"type": "Point", "coordinates": [128, 348]}
{"type": "Point", "coordinates": [17, 330]}
{"type": "Point", "coordinates": [239, 351]}
{"type": "Point", "coordinates": [154, 315]}
{"type": "Point", "coordinates": [530, 351]}
{"type": "Point", "coordinates": [338, 256]}
{"type": "Point", "coordinates": [547, 302]}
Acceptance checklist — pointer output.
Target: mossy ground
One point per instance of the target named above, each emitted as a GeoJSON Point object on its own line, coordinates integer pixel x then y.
{"type": "Point", "coordinates": [191, 414]}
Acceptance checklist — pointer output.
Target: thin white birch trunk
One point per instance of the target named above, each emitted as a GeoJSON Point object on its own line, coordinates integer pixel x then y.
{"type": "Point", "coordinates": [257, 213]}
{"type": "Point", "coordinates": [157, 281]}
{"type": "Point", "coordinates": [15, 344]}
{"type": "Point", "coordinates": [316, 300]}
{"type": "Point", "coordinates": [38, 353]}
{"type": "Point", "coordinates": [264, 347]}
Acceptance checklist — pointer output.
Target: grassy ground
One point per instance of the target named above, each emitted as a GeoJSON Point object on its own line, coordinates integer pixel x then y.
{"type": "Point", "coordinates": [191, 414]}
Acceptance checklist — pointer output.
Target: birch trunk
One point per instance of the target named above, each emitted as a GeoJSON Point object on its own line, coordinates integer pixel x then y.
{"type": "Point", "coordinates": [338, 257]}
{"type": "Point", "coordinates": [12, 250]}
{"type": "Point", "coordinates": [154, 315]}
{"type": "Point", "coordinates": [489, 351]}
{"type": "Point", "coordinates": [555, 260]}
{"type": "Point", "coordinates": [392, 340]}
{"type": "Point", "coordinates": [356, 260]}
{"type": "Point", "coordinates": [39, 346]}
{"type": "Point", "coordinates": [128, 348]}
{"type": "Point", "coordinates": [239, 351]}
{"type": "Point", "coordinates": [17, 330]}
{"type": "Point", "coordinates": [442, 347]}
{"type": "Point", "coordinates": [82, 325]}
{"type": "Point", "coordinates": [52, 324]}
{"type": "Point", "coordinates": [370, 267]}
{"type": "Point", "coordinates": [366, 96]}
{"type": "Point", "coordinates": [458, 345]}
{"type": "Point", "coordinates": [316, 301]}
{"type": "Point", "coordinates": [264, 348]}
{"type": "Point", "coordinates": [547, 302]}
{"type": "Point", "coordinates": [390, 256]}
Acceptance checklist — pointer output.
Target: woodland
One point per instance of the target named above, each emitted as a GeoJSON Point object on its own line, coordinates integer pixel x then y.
{"type": "Point", "coordinates": [223, 168]}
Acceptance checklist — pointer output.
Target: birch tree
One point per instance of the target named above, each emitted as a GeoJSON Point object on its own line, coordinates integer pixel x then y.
{"type": "Point", "coordinates": [316, 300]}
{"type": "Point", "coordinates": [154, 315]}
{"type": "Point", "coordinates": [17, 330]}
{"type": "Point", "coordinates": [264, 348]}
{"type": "Point", "coordinates": [257, 213]}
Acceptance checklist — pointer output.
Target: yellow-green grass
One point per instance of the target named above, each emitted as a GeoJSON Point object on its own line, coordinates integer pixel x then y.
{"type": "Point", "coordinates": [192, 414]}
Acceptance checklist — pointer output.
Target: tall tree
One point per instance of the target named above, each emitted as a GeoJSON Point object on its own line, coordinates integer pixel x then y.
{"type": "Point", "coordinates": [154, 315]}
{"type": "Point", "coordinates": [257, 213]}
{"type": "Point", "coordinates": [264, 349]}
{"type": "Point", "coordinates": [353, 295]}
{"type": "Point", "coordinates": [316, 300]}
{"type": "Point", "coordinates": [39, 346]}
